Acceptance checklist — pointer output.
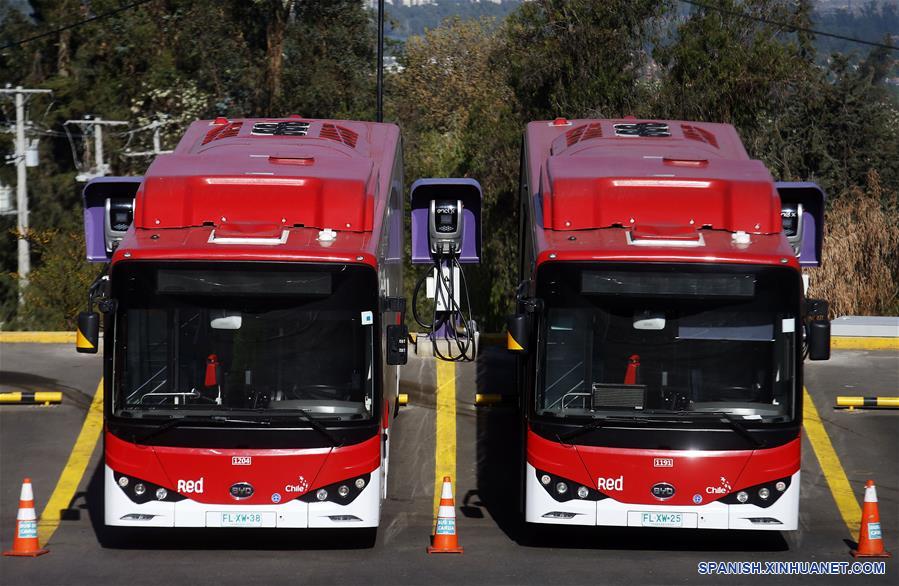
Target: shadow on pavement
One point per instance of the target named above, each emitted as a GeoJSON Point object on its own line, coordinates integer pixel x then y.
{"type": "Point", "coordinates": [27, 381]}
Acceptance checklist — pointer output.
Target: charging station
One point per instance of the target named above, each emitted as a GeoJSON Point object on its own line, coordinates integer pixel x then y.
{"type": "Point", "coordinates": [108, 212]}
{"type": "Point", "coordinates": [446, 233]}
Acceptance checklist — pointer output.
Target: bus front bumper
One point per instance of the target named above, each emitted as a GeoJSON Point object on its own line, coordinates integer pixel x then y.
{"type": "Point", "coordinates": [540, 507]}
{"type": "Point", "coordinates": [364, 511]}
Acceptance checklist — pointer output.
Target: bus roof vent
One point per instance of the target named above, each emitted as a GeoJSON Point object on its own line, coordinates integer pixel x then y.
{"type": "Point", "coordinates": [643, 129]}
{"type": "Point", "coordinates": [339, 134]}
{"type": "Point", "coordinates": [583, 132]}
{"type": "Point", "coordinates": [699, 134]}
{"type": "Point", "coordinates": [283, 128]}
{"type": "Point", "coordinates": [222, 131]}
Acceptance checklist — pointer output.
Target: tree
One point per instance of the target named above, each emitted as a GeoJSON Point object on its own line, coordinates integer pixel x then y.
{"type": "Point", "coordinates": [580, 58]}
{"type": "Point", "coordinates": [456, 113]}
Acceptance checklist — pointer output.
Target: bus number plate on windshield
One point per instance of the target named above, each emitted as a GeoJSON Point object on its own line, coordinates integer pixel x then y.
{"type": "Point", "coordinates": [240, 519]}
{"type": "Point", "coordinates": [662, 519]}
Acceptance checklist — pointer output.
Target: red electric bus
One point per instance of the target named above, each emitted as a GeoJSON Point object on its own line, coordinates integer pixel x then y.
{"type": "Point", "coordinates": [250, 307]}
{"type": "Point", "coordinates": [660, 327]}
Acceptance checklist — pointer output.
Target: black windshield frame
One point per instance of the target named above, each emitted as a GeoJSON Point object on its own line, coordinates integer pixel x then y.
{"type": "Point", "coordinates": [789, 286]}
{"type": "Point", "coordinates": [354, 288]}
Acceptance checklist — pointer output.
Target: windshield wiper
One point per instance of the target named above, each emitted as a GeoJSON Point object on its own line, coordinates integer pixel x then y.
{"type": "Point", "coordinates": [319, 427]}
{"type": "Point", "coordinates": [177, 421]}
{"type": "Point", "coordinates": [313, 423]}
{"type": "Point", "coordinates": [597, 424]}
{"type": "Point", "coordinates": [735, 424]}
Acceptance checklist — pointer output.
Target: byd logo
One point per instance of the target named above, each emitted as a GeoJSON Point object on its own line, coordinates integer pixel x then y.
{"type": "Point", "coordinates": [241, 490]}
{"type": "Point", "coordinates": [191, 486]}
{"type": "Point", "coordinates": [662, 491]}
{"type": "Point", "coordinates": [610, 483]}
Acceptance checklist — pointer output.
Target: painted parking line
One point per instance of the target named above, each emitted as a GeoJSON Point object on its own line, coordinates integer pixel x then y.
{"type": "Point", "coordinates": [830, 465]}
{"type": "Point", "coordinates": [445, 447]}
{"type": "Point", "coordinates": [74, 470]}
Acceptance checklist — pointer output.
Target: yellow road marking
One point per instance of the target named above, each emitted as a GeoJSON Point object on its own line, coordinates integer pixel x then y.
{"type": "Point", "coordinates": [37, 337]}
{"type": "Point", "coordinates": [830, 465]}
{"type": "Point", "coordinates": [74, 471]}
{"type": "Point", "coordinates": [445, 449]}
{"type": "Point", "coordinates": [847, 343]}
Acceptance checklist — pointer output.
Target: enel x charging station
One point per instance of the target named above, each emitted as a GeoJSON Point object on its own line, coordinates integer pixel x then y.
{"type": "Point", "coordinates": [446, 233]}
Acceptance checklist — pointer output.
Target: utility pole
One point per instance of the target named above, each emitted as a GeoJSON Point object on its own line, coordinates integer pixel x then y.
{"type": "Point", "coordinates": [379, 109]}
{"type": "Point", "coordinates": [157, 141]}
{"type": "Point", "coordinates": [21, 184]}
{"type": "Point", "coordinates": [100, 167]}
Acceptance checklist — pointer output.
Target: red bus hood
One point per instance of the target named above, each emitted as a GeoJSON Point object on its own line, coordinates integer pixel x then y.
{"type": "Point", "coordinates": [206, 475]}
{"type": "Point", "coordinates": [628, 475]}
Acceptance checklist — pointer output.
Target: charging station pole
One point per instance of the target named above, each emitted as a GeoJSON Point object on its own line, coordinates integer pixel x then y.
{"type": "Point", "coordinates": [24, 249]}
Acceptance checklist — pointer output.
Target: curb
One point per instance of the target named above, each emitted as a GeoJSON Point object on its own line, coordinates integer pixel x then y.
{"type": "Point", "coordinates": [30, 398]}
{"type": "Point", "coordinates": [836, 342]}
{"type": "Point", "coordinates": [867, 343]}
{"type": "Point", "coordinates": [37, 337]}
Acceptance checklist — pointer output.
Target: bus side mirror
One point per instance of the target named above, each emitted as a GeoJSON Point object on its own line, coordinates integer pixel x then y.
{"type": "Point", "coordinates": [818, 329]}
{"type": "Point", "coordinates": [397, 345]}
{"type": "Point", "coordinates": [519, 333]}
{"type": "Point", "coordinates": [87, 337]}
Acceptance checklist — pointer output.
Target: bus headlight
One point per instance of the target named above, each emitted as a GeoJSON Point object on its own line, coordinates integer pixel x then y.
{"type": "Point", "coordinates": [342, 492]}
{"type": "Point", "coordinates": [780, 486]}
{"type": "Point", "coordinates": [563, 489]}
{"type": "Point", "coordinates": [742, 496]}
{"type": "Point", "coordinates": [764, 493]}
{"type": "Point", "coordinates": [141, 491]}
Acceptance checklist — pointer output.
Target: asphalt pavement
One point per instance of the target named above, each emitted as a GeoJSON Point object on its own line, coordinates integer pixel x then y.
{"type": "Point", "coordinates": [35, 441]}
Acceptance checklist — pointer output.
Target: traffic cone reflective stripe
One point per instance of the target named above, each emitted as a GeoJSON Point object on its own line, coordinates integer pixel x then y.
{"type": "Point", "coordinates": [25, 541]}
{"type": "Point", "coordinates": [445, 538]}
{"type": "Point", "coordinates": [870, 535]}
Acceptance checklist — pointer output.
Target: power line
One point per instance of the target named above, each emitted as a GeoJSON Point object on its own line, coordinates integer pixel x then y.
{"type": "Point", "coordinates": [76, 24]}
{"type": "Point", "coordinates": [804, 29]}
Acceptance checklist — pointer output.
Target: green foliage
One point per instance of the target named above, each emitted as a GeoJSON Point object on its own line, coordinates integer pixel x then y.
{"type": "Point", "coordinates": [57, 289]}
{"type": "Point", "coordinates": [579, 58]}
{"type": "Point", "coordinates": [173, 61]}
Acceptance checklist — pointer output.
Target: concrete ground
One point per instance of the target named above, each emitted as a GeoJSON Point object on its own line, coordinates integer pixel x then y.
{"type": "Point", "coordinates": [36, 441]}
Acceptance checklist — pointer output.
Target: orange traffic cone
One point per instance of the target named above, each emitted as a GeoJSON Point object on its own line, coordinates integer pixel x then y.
{"type": "Point", "coordinates": [445, 539]}
{"type": "Point", "coordinates": [25, 542]}
{"type": "Point", "coordinates": [870, 537]}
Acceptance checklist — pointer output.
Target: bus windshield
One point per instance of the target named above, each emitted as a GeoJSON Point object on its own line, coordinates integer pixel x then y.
{"type": "Point", "coordinates": [668, 341]}
{"type": "Point", "coordinates": [260, 340]}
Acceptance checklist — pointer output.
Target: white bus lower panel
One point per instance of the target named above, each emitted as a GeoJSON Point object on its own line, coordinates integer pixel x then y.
{"type": "Point", "coordinates": [780, 516]}
{"type": "Point", "coordinates": [364, 511]}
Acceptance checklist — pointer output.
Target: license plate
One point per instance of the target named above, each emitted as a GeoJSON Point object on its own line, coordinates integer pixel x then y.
{"type": "Point", "coordinates": [241, 519]}
{"type": "Point", "coordinates": [662, 519]}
